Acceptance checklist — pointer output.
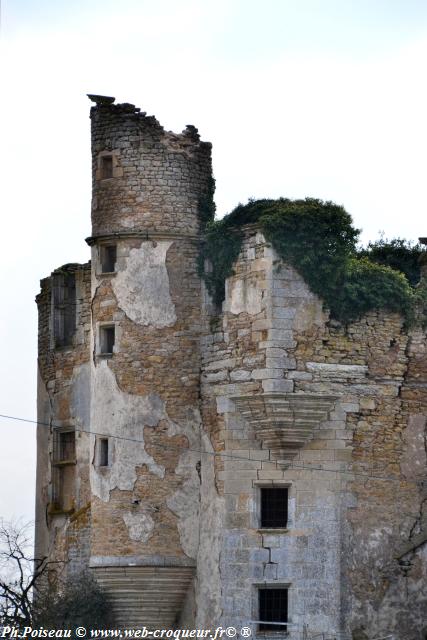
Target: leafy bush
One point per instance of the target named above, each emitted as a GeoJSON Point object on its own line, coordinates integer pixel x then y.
{"type": "Point", "coordinates": [80, 602]}
{"type": "Point", "coordinates": [399, 254]}
{"type": "Point", "coordinates": [319, 240]}
{"type": "Point", "coordinates": [370, 286]}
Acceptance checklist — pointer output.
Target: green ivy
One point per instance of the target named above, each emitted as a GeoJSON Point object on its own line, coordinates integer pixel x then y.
{"type": "Point", "coordinates": [370, 286]}
{"type": "Point", "coordinates": [319, 240]}
{"type": "Point", "coordinates": [399, 254]}
{"type": "Point", "coordinates": [220, 250]}
{"type": "Point", "coordinates": [207, 203]}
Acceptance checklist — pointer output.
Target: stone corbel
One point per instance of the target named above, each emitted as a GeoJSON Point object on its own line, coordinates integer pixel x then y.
{"type": "Point", "coordinates": [284, 423]}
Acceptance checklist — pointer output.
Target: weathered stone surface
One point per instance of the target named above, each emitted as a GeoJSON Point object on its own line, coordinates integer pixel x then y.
{"type": "Point", "coordinates": [142, 286]}
{"type": "Point", "coordinates": [175, 512]}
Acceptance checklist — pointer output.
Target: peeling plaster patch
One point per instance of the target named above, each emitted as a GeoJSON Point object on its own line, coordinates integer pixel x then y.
{"type": "Point", "coordinates": [140, 526]}
{"type": "Point", "coordinates": [185, 502]}
{"type": "Point", "coordinates": [80, 396]}
{"type": "Point", "coordinates": [243, 295]}
{"type": "Point", "coordinates": [142, 287]}
{"type": "Point", "coordinates": [117, 413]}
{"type": "Point", "coordinates": [208, 592]}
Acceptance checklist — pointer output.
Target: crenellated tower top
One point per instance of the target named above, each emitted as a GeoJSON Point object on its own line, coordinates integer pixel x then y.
{"type": "Point", "coordinates": [146, 179]}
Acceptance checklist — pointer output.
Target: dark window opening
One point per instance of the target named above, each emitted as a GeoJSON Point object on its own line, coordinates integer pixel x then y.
{"type": "Point", "coordinates": [274, 507]}
{"type": "Point", "coordinates": [64, 308]}
{"type": "Point", "coordinates": [63, 470]}
{"type": "Point", "coordinates": [103, 452]}
{"type": "Point", "coordinates": [106, 167]}
{"type": "Point", "coordinates": [64, 446]}
{"type": "Point", "coordinates": [107, 336]}
{"type": "Point", "coordinates": [273, 607]}
{"type": "Point", "coordinates": [63, 488]}
{"type": "Point", "coordinates": [108, 258]}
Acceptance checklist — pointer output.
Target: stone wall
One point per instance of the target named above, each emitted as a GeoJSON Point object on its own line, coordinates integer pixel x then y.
{"type": "Point", "coordinates": [145, 394]}
{"type": "Point", "coordinates": [64, 402]}
{"type": "Point", "coordinates": [202, 409]}
{"type": "Point", "coordinates": [275, 347]}
{"type": "Point", "coordinates": [159, 178]}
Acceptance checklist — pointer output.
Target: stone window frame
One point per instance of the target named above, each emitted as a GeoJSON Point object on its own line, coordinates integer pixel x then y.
{"type": "Point", "coordinates": [256, 515]}
{"type": "Point", "coordinates": [57, 457]}
{"type": "Point", "coordinates": [98, 346]}
{"type": "Point", "coordinates": [117, 170]}
{"type": "Point", "coordinates": [63, 317]}
{"type": "Point", "coordinates": [99, 258]}
{"type": "Point", "coordinates": [280, 584]}
{"type": "Point", "coordinates": [99, 452]}
{"type": "Point", "coordinates": [58, 465]}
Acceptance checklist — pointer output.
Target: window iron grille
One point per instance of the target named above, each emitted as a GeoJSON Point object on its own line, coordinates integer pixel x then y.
{"type": "Point", "coordinates": [274, 507]}
{"type": "Point", "coordinates": [273, 609]}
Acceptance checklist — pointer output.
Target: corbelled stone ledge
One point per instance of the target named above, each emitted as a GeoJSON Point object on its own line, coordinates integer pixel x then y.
{"type": "Point", "coordinates": [284, 423]}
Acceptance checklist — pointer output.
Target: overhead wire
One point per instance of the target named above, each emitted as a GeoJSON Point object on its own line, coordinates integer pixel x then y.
{"type": "Point", "coordinates": [219, 454]}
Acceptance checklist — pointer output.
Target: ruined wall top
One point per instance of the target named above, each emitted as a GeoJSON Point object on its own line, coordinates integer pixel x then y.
{"type": "Point", "coordinates": [145, 179]}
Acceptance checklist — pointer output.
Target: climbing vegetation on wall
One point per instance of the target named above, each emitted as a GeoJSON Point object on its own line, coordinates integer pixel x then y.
{"type": "Point", "coordinates": [397, 253]}
{"type": "Point", "coordinates": [319, 240]}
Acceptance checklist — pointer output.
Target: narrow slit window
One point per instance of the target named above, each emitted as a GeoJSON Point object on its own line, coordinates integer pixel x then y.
{"type": "Point", "coordinates": [107, 338]}
{"type": "Point", "coordinates": [274, 507]}
{"type": "Point", "coordinates": [108, 258]}
{"type": "Point", "coordinates": [273, 607]}
{"type": "Point", "coordinates": [106, 167]}
{"type": "Point", "coordinates": [64, 308]}
{"type": "Point", "coordinates": [103, 452]}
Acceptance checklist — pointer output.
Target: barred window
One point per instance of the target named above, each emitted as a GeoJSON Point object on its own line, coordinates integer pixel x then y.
{"type": "Point", "coordinates": [274, 507]}
{"type": "Point", "coordinates": [273, 607]}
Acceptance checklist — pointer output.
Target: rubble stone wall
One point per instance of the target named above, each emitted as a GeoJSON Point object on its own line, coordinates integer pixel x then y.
{"type": "Point", "coordinates": [63, 401]}
{"type": "Point", "coordinates": [158, 177]}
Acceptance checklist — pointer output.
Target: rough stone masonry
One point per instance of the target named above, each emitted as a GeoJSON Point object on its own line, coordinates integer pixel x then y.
{"type": "Point", "coordinates": [176, 427]}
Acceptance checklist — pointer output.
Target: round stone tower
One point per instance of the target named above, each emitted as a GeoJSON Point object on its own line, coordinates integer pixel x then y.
{"type": "Point", "coordinates": [151, 194]}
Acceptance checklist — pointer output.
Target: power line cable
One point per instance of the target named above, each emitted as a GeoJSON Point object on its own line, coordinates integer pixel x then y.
{"type": "Point", "coordinates": [292, 465]}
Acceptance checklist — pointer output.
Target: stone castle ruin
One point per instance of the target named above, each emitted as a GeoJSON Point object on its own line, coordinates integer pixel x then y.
{"type": "Point", "coordinates": [245, 467]}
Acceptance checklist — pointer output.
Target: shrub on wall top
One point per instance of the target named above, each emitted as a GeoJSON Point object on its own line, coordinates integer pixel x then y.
{"type": "Point", "coordinates": [319, 240]}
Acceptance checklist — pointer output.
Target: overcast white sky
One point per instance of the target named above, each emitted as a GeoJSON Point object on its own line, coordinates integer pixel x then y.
{"type": "Point", "coordinates": [322, 98]}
